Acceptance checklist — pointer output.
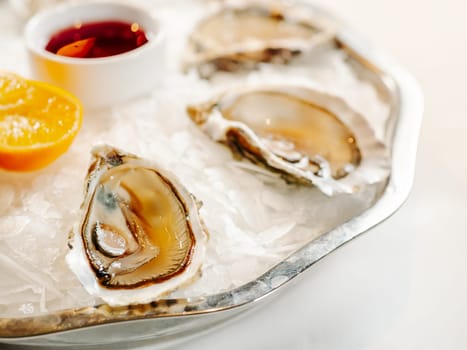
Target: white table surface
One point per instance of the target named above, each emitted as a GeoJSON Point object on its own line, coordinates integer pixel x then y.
{"type": "Point", "coordinates": [403, 285]}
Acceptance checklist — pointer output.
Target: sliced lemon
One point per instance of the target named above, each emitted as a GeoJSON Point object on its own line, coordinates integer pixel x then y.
{"type": "Point", "coordinates": [38, 122]}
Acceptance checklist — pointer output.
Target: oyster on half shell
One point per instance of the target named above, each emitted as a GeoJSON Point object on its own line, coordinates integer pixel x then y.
{"type": "Point", "coordinates": [140, 234]}
{"type": "Point", "coordinates": [306, 136]}
{"type": "Point", "coordinates": [244, 33]}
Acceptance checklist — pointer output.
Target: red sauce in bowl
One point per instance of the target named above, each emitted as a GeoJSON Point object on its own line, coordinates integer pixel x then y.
{"type": "Point", "coordinates": [97, 39]}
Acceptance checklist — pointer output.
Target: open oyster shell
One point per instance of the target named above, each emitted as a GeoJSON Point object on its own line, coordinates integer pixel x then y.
{"type": "Point", "coordinates": [140, 235]}
{"type": "Point", "coordinates": [307, 136]}
{"type": "Point", "coordinates": [244, 33]}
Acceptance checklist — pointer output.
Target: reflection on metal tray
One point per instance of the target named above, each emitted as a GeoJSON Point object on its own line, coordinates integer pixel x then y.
{"type": "Point", "coordinates": [166, 319]}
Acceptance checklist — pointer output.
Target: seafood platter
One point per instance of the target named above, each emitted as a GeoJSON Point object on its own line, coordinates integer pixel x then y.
{"type": "Point", "coordinates": [165, 166]}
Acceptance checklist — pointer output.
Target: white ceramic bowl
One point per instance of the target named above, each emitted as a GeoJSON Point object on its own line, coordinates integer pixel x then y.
{"type": "Point", "coordinates": [97, 82]}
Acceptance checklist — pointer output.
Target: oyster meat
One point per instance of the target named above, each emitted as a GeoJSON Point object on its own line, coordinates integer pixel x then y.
{"type": "Point", "coordinates": [307, 136]}
{"type": "Point", "coordinates": [244, 33]}
{"type": "Point", "coordinates": [140, 234]}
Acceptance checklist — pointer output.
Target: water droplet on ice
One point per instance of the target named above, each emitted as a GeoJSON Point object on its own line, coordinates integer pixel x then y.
{"type": "Point", "coordinates": [27, 308]}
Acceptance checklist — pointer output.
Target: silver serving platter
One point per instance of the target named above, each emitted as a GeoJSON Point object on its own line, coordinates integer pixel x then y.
{"type": "Point", "coordinates": [166, 320]}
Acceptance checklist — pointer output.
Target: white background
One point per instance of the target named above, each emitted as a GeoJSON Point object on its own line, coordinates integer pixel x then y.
{"type": "Point", "coordinates": [403, 285]}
